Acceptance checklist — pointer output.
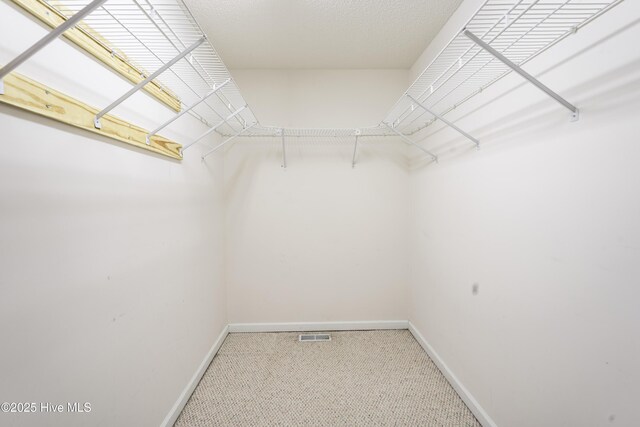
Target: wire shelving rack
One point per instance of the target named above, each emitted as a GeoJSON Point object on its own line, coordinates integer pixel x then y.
{"type": "Point", "coordinates": [500, 37]}
{"type": "Point", "coordinates": [518, 29]}
{"type": "Point", "coordinates": [148, 34]}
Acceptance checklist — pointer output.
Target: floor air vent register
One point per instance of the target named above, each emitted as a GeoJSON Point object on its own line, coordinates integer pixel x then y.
{"type": "Point", "coordinates": [314, 337]}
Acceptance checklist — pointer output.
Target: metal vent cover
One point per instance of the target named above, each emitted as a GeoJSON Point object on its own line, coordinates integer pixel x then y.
{"type": "Point", "coordinates": [314, 337]}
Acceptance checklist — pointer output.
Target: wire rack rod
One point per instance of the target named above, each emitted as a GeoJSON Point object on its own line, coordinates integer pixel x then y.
{"type": "Point", "coordinates": [267, 131]}
{"type": "Point", "coordinates": [519, 29]}
{"type": "Point", "coordinates": [149, 33]}
{"type": "Point", "coordinates": [194, 63]}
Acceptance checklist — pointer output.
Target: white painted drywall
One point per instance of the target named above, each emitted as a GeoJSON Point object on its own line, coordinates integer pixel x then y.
{"type": "Point", "coordinates": [321, 98]}
{"type": "Point", "coordinates": [97, 306]}
{"type": "Point", "coordinates": [111, 258]}
{"type": "Point", "coordinates": [546, 220]}
{"type": "Point", "coordinates": [319, 241]}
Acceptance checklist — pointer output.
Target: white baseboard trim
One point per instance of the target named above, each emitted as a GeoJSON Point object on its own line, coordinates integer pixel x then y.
{"type": "Point", "coordinates": [464, 394]}
{"type": "Point", "coordinates": [177, 408]}
{"type": "Point", "coordinates": [319, 326]}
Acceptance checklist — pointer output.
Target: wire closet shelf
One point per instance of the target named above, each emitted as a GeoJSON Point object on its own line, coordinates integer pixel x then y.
{"type": "Point", "coordinates": [520, 30]}
{"type": "Point", "coordinates": [149, 34]}
{"type": "Point", "coordinates": [162, 37]}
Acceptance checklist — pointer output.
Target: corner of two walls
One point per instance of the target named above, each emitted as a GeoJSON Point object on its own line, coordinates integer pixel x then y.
{"type": "Point", "coordinates": [320, 240]}
{"type": "Point", "coordinates": [524, 255]}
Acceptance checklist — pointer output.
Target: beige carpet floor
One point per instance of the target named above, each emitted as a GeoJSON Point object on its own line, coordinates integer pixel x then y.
{"type": "Point", "coordinates": [364, 378]}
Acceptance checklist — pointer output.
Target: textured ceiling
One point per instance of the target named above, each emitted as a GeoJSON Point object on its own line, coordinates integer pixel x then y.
{"type": "Point", "coordinates": [321, 33]}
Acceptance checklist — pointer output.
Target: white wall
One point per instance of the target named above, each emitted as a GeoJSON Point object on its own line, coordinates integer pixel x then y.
{"type": "Point", "coordinates": [321, 98]}
{"type": "Point", "coordinates": [546, 220]}
{"type": "Point", "coordinates": [111, 258]}
{"type": "Point", "coordinates": [319, 241]}
{"type": "Point", "coordinates": [112, 280]}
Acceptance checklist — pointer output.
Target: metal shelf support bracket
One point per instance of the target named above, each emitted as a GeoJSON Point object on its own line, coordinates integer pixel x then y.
{"type": "Point", "coordinates": [284, 149]}
{"type": "Point", "coordinates": [575, 113]}
{"type": "Point", "coordinates": [114, 104]}
{"type": "Point", "coordinates": [410, 141]}
{"type": "Point", "coordinates": [223, 143]}
{"type": "Point", "coordinates": [357, 133]}
{"type": "Point", "coordinates": [51, 36]}
{"type": "Point", "coordinates": [213, 129]}
{"type": "Point", "coordinates": [445, 121]}
{"type": "Point", "coordinates": [186, 110]}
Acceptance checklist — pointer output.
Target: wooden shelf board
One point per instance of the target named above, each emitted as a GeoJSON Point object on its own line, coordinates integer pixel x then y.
{"type": "Point", "coordinates": [98, 49]}
{"type": "Point", "coordinates": [29, 95]}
